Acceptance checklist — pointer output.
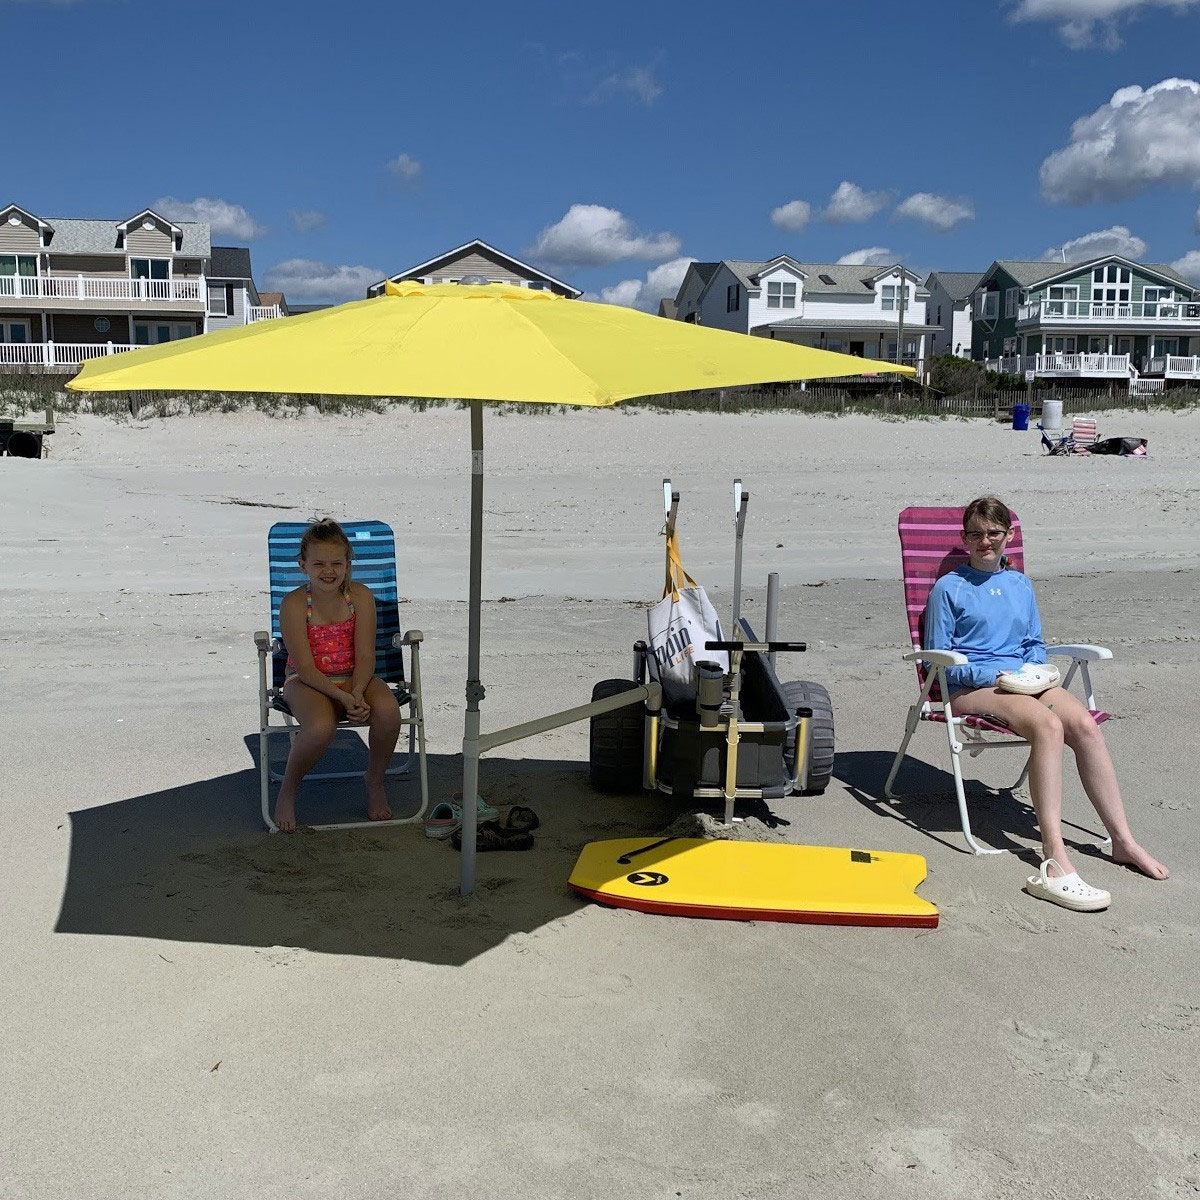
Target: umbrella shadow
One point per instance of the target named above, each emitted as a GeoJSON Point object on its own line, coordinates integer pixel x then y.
{"type": "Point", "coordinates": [925, 801]}
{"type": "Point", "coordinates": [193, 863]}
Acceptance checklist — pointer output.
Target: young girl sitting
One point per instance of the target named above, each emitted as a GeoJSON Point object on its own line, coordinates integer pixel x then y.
{"type": "Point", "coordinates": [328, 627]}
{"type": "Point", "coordinates": [987, 611]}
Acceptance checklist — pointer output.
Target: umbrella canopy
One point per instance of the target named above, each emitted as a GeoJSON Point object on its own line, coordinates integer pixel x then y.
{"type": "Point", "coordinates": [491, 342]}
{"type": "Point", "coordinates": [475, 343]}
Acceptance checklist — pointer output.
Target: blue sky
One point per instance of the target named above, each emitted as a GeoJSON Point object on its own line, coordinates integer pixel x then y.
{"type": "Point", "coordinates": [610, 144]}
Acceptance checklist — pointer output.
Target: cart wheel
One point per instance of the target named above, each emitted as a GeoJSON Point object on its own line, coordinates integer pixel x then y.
{"type": "Point", "coordinates": [803, 694]}
{"type": "Point", "coordinates": [617, 740]}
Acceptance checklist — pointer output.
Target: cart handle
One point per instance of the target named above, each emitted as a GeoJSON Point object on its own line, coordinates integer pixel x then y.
{"type": "Point", "coordinates": [760, 647]}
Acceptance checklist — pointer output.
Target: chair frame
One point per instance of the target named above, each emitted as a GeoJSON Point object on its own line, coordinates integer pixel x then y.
{"type": "Point", "coordinates": [270, 700]}
{"type": "Point", "coordinates": [974, 734]}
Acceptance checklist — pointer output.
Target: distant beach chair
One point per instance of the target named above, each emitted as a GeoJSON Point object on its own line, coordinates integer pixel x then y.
{"type": "Point", "coordinates": [930, 546]}
{"type": "Point", "coordinates": [1079, 441]}
{"type": "Point", "coordinates": [374, 565]}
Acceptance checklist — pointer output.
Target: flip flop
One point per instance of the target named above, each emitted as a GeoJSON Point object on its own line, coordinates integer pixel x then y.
{"type": "Point", "coordinates": [1069, 891]}
{"type": "Point", "coordinates": [489, 836]}
{"type": "Point", "coordinates": [520, 820]}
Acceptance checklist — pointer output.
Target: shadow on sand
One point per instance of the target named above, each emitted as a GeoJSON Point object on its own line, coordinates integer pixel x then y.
{"type": "Point", "coordinates": [194, 863]}
{"type": "Point", "coordinates": [926, 802]}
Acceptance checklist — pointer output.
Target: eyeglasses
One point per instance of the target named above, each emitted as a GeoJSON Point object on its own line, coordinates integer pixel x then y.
{"type": "Point", "coordinates": [991, 535]}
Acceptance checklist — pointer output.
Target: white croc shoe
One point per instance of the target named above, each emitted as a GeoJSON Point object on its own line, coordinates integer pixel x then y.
{"type": "Point", "coordinates": [1068, 890]}
{"type": "Point", "coordinates": [1031, 680]}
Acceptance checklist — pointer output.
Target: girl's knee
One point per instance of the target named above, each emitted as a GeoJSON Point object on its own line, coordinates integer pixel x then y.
{"type": "Point", "coordinates": [1048, 728]}
{"type": "Point", "coordinates": [386, 718]}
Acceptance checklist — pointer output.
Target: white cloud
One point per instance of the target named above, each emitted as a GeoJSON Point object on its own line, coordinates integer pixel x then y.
{"type": "Point", "coordinates": [792, 216]}
{"type": "Point", "coordinates": [305, 220]}
{"type": "Point", "coordinates": [1137, 139]}
{"type": "Point", "coordinates": [301, 278]}
{"type": "Point", "coordinates": [592, 235]}
{"type": "Point", "coordinates": [636, 83]}
{"type": "Point", "coordinates": [223, 218]}
{"type": "Point", "coordinates": [942, 213]}
{"type": "Point", "coordinates": [869, 256]}
{"type": "Point", "coordinates": [1115, 240]}
{"type": "Point", "coordinates": [660, 281]}
{"type": "Point", "coordinates": [1085, 22]}
{"type": "Point", "coordinates": [405, 167]}
{"type": "Point", "coordinates": [850, 203]}
{"type": "Point", "coordinates": [1189, 266]}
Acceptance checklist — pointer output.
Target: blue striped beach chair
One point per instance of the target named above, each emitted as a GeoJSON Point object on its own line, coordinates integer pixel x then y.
{"type": "Point", "coordinates": [374, 565]}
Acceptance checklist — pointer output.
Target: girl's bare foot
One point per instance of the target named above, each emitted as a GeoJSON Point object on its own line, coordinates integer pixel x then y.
{"type": "Point", "coordinates": [285, 814]}
{"type": "Point", "coordinates": [378, 808]}
{"type": "Point", "coordinates": [1130, 854]}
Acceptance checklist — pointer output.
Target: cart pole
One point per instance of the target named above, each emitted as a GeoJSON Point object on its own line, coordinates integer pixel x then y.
{"type": "Point", "coordinates": [475, 690]}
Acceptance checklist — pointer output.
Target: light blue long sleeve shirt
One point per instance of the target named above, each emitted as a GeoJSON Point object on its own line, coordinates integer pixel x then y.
{"type": "Point", "coordinates": [991, 617]}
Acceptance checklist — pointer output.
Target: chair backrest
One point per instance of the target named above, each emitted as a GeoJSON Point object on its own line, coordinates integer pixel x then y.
{"type": "Point", "coordinates": [1083, 432]}
{"type": "Point", "coordinates": [374, 564]}
{"type": "Point", "coordinates": [930, 546]}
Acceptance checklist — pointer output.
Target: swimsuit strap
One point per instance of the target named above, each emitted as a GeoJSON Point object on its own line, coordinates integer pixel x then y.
{"type": "Point", "coordinates": [308, 602]}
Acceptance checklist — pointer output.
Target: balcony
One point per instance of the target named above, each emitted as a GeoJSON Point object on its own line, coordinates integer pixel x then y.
{"type": "Point", "coordinates": [54, 356]}
{"type": "Point", "coordinates": [1085, 312]}
{"type": "Point", "coordinates": [1173, 366]}
{"type": "Point", "coordinates": [263, 312]}
{"type": "Point", "coordinates": [98, 291]}
{"type": "Point", "coordinates": [1064, 366]}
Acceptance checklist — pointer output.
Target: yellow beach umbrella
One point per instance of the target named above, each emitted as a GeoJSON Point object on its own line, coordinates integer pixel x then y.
{"type": "Point", "coordinates": [477, 343]}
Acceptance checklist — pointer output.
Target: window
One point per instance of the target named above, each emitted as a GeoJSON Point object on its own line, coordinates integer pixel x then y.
{"type": "Point", "coordinates": [1058, 345]}
{"type": "Point", "coordinates": [536, 285]}
{"type": "Point", "coordinates": [835, 344]}
{"type": "Point", "coordinates": [14, 270]}
{"type": "Point", "coordinates": [887, 294]}
{"type": "Point", "coordinates": [16, 332]}
{"type": "Point", "coordinates": [217, 306]}
{"type": "Point", "coordinates": [1010, 345]}
{"type": "Point", "coordinates": [987, 305]}
{"type": "Point", "coordinates": [154, 333]}
{"type": "Point", "coordinates": [781, 295]}
{"type": "Point", "coordinates": [939, 315]}
{"type": "Point", "coordinates": [733, 297]}
{"type": "Point", "coordinates": [1011, 296]}
{"type": "Point", "coordinates": [1166, 345]}
{"type": "Point", "coordinates": [827, 280]}
{"type": "Point", "coordinates": [149, 268]}
{"type": "Point", "coordinates": [1062, 299]}
{"type": "Point", "coordinates": [1152, 295]}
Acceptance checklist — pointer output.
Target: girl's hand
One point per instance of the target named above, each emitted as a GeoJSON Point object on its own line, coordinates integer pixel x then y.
{"type": "Point", "coordinates": [357, 709]}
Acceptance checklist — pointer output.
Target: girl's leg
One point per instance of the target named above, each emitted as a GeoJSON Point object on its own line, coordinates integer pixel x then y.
{"type": "Point", "coordinates": [1099, 779]}
{"type": "Point", "coordinates": [385, 731]}
{"type": "Point", "coordinates": [318, 724]}
{"type": "Point", "coordinates": [1042, 728]}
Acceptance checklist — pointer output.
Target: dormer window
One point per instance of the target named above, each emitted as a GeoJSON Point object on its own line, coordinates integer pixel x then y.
{"type": "Point", "coordinates": [890, 296]}
{"type": "Point", "coordinates": [827, 280]}
{"type": "Point", "coordinates": [781, 294]}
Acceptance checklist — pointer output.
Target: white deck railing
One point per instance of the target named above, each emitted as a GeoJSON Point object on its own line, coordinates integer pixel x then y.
{"type": "Point", "coordinates": [1096, 365]}
{"type": "Point", "coordinates": [1176, 312]}
{"type": "Point", "coordinates": [262, 312]}
{"type": "Point", "coordinates": [1174, 366]}
{"type": "Point", "coordinates": [56, 354]}
{"type": "Point", "coordinates": [101, 287]}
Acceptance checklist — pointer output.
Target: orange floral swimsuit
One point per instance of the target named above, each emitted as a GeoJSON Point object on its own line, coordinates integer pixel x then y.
{"type": "Point", "coordinates": [332, 646]}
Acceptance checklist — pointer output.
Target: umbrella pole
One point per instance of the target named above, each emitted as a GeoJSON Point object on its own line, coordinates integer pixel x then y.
{"type": "Point", "coordinates": [475, 692]}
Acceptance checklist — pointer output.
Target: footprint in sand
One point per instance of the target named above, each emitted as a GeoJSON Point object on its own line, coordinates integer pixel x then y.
{"type": "Point", "coordinates": [1045, 1054]}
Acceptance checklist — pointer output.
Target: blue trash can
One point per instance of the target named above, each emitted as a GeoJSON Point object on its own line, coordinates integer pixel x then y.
{"type": "Point", "coordinates": [1020, 416]}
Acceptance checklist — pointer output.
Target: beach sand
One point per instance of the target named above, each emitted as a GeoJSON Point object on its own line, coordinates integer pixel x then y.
{"type": "Point", "coordinates": [193, 1008]}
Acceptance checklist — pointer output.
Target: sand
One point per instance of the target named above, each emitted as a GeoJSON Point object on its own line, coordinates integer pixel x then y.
{"type": "Point", "coordinates": [195, 1009]}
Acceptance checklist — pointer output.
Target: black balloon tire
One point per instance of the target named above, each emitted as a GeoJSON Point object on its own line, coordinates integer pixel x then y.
{"type": "Point", "coordinates": [617, 740]}
{"type": "Point", "coordinates": [803, 693]}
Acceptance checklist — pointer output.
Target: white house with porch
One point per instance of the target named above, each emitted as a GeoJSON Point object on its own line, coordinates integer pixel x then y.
{"type": "Point", "coordinates": [847, 309]}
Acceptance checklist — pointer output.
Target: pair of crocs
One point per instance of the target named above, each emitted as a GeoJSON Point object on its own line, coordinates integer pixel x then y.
{"type": "Point", "coordinates": [1031, 680]}
{"type": "Point", "coordinates": [445, 818]}
{"type": "Point", "coordinates": [1067, 890]}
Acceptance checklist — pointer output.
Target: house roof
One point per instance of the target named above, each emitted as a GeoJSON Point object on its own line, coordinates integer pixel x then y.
{"type": "Point", "coordinates": [473, 246]}
{"type": "Point", "coordinates": [668, 308]}
{"type": "Point", "coordinates": [958, 285]}
{"type": "Point", "coordinates": [1030, 272]}
{"type": "Point", "coordinates": [9, 209]}
{"type": "Point", "coordinates": [230, 262]}
{"type": "Point", "coordinates": [271, 299]}
{"type": "Point", "coordinates": [74, 236]}
{"type": "Point", "coordinates": [845, 279]}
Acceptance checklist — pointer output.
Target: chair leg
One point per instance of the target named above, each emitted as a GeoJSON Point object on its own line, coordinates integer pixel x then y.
{"type": "Point", "coordinates": [914, 719]}
{"type": "Point", "coordinates": [961, 792]}
{"type": "Point", "coordinates": [264, 778]}
{"type": "Point", "coordinates": [1024, 773]}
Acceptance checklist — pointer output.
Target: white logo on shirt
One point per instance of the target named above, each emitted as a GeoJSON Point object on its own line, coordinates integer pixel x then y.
{"type": "Point", "coordinates": [995, 592]}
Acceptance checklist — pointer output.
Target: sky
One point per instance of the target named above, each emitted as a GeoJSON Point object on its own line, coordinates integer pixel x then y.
{"type": "Point", "coordinates": [612, 144]}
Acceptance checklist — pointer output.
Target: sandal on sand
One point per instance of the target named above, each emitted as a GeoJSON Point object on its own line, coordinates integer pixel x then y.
{"type": "Point", "coordinates": [443, 820]}
{"type": "Point", "coordinates": [520, 820]}
{"type": "Point", "coordinates": [489, 836]}
{"type": "Point", "coordinates": [483, 810]}
{"type": "Point", "coordinates": [1068, 890]}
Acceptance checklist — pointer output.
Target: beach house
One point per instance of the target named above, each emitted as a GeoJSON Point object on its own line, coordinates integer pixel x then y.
{"type": "Point", "coordinates": [948, 309]}
{"type": "Point", "coordinates": [73, 289]}
{"type": "Point", "coordinates": [1106, 318]}
{"type": "Point", "coordinates": [477, 261]}
{"type": "Point", "coordinates": [849, 309]}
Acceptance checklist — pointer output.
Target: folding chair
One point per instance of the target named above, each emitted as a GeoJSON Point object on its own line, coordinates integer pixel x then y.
{"type": "Point", "coordinates": [1078, 441]}
{"type": "Point", "coordinates": [374, 564]}
{"type": "Point", "coordinates": [930, 546]}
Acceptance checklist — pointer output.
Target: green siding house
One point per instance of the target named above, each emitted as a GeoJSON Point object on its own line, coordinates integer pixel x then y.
{"type": "Point", "coordinates": [1106, 318]}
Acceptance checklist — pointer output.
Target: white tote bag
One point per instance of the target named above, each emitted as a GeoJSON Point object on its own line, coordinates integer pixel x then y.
{"type": "Point", "coordinates": [679, 625]}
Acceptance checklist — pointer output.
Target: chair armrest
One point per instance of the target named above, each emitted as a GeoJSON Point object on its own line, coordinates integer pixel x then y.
{"type": "Point", "coordinates": [937, 658]}
{"type": "Point", "coordinates": [266, 644]}
{"type": "Point", "coordinates": [1082, 653]}
{"type": "Point", "coordinates": [413, 637]}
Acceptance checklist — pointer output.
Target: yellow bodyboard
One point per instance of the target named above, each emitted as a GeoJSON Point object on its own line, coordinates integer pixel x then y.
{"type": "Point", "coordinates": [756, 881]}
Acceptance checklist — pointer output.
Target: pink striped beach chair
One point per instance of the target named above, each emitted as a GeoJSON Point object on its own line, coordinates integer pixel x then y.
{"type": "Point", "coordinates": [931, 545]}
